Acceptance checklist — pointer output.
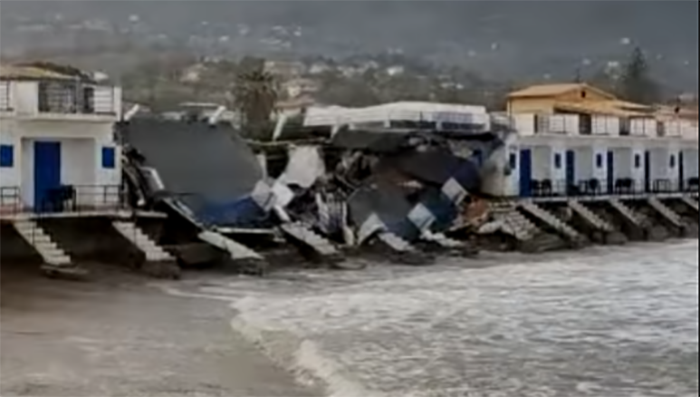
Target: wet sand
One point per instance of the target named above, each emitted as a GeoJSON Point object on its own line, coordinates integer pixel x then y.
{"type": "Point", "coordinates": [118, 336]}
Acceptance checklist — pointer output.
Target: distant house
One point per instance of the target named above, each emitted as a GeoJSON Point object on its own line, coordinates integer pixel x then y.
{"type": "Point", "coordinates": [301, 86]}
{"type": "Point", "coordinates": [285, 69]}
{"type": "Point", "coordinates": [578, 98]}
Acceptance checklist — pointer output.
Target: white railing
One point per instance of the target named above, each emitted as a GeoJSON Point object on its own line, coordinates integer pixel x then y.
{"type": "Point", "coordinates": [573, 125]}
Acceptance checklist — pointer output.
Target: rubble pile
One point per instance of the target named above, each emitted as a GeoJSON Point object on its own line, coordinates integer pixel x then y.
{"type": "Point", "coordinates": [403, 194]}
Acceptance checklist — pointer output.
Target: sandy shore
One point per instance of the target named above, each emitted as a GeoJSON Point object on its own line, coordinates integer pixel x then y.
{"type": "Point", "coordinates": [118, 336]}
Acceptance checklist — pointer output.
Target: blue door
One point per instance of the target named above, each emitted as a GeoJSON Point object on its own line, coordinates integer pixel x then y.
{"type": "Point", "coordinates": [525, 173]}
{"type": "Point", "coordinates": [611, 171]}
{"type": "Point", "coordinates": [681, 172]}
{"type": "Point", "coordinates": [47, 172]}
{"type": "Point", "coordinates": [570, 164]}
{"type": "Point", "coordinates": [647, 171]}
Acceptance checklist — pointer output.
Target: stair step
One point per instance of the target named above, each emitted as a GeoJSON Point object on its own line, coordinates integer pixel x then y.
{"type": "Point", "coordinates": [49, 251]}
{"type": "Point", "coordinates": [553, 221]}
{"type": "Point", "coordinates": [665, 211]}
{"type": "Point", "coordinates": [142, 241]}
{"type": "Point", "coordinates": [308, 236]}
{"type": "Point", "coordinates": [591, 216]}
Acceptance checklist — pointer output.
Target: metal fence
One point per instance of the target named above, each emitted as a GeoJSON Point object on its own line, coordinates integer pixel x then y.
{"type": "Point", "coordinates": [65, 199]}
{"type": "Point", "coordinates": [75, 98]}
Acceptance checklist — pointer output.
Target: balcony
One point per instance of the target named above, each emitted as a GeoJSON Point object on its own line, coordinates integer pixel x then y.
{"type": "Point", "coordinates": [68, 200]}
{"type": "Point", "coordinates": [59, 100]}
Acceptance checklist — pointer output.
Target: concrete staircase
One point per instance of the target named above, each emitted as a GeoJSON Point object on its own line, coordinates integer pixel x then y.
{"type": "Point", "coordinates": [441, 240]}
{"type": "Point", "coordinates": [143, 242]}
{"type": "Point", "coordinates": [395, 242]}
{"type": "Point", "coordinates": [550, 219]}
{"type": "Point", "coordinates": [633, 217]}
{"type": "Point", "coordinates": [666, 212]}
{"type": "Point", "coordinates": [690, 202]}
{"type": "Point", "coordinates": [510, 221]}
{"type": "Point", "coordinates": [593, 219]}
{"type": "Point", "coordinates": [35, 235]}
{"type": "Point", "coordinates": [236, 250]}
{"type": "Point", "coordinates": [304, 235]}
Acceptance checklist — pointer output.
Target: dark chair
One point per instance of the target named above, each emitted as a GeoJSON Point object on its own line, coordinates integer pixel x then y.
{"type": "Point", "coordinates": [624, 186]}
{"type": "Point", "coordinates": [693, 184]}
{"type": "Point", "coordinates": [593, 186]}
{"type": "Point", "coordinates": [535, 187]}
{"type": "Point", "coordinates": [546, 186]}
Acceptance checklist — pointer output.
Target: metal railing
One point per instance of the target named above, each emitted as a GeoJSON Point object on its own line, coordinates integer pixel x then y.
{"type": "Point", "coordinates": [75, 98]}
{"type": "Point", "coordinates": [10, 200]}
{"type": "Point", "coordinates": [65, 199]}
{"type": "Point", "coordinates": [620, 186]}
{"type": "Point", "coordinates": [82, 198]}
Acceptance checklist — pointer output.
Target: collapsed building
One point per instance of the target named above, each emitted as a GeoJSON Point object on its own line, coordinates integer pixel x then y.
{"type": "Point", "coordinates": [395, 190]}
{"type": "Point", "coordinates": [404, 180]}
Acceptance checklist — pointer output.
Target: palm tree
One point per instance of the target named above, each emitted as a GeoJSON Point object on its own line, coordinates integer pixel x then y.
{"type": "Point", "coordinates": [255, 96]}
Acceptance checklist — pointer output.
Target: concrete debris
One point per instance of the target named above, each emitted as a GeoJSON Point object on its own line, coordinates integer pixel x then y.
{"type": "Point", "coordinates": [337, 189]}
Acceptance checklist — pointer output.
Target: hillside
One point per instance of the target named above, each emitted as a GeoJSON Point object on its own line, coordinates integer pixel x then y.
{"type": "Point", "coordinates": [492, 36]}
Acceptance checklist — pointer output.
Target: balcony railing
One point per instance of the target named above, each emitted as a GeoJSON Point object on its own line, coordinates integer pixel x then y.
{"type": "Point", "coordinates": [618, 186]}
{"type": "Point", "coordinates": [65, 199]}
{"type": "Point", "coordinates": [75, 98]}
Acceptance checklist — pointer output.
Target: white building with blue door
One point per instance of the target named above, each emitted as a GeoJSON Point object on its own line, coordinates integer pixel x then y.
{"type": "Point", "coordinates": [56, 135]}
{"type": "Point", "coordinates": [642, 154]}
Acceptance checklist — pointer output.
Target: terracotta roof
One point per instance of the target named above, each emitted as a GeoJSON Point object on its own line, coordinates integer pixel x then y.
{"type": "Point", "coordinates": [545, 90]}
{"type": "Point", "coordinates": [30, 72]}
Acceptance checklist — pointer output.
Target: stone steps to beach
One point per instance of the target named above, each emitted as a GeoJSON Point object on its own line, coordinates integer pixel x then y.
{"type": "Point", "coordinates": [664, 211]}
{"type": "Point", "coordinates": [554, 222]}
{"type": "Point", "coordinates": [690, 202]}
{"type": "Point", "coordinates": [592, 218]}
{"type": "Point", "coordinates": [630, 215]}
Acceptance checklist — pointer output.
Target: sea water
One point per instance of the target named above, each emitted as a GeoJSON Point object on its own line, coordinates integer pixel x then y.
{"type": "Point", "coordinates": [608, 322]}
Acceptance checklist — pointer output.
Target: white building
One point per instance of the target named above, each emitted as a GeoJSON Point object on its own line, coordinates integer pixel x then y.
{"type": "Point", "coordinates": [406, 115]}
{"type": "Point", "coordinates": [56, 135]}
{"type": "Point", "coordinates": [642, 154]}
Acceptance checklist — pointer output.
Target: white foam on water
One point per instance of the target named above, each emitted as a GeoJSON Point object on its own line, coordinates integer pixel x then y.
{"type": "Point", "coordinates": [622, 323]}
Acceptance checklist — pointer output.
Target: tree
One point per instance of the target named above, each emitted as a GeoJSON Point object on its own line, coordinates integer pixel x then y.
{"type": "Point", "coordinates": [255, 96]}
{"type": "Point", "coordinates": [637, 84]}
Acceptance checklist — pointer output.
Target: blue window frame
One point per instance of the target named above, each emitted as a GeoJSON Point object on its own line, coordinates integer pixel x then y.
{"type": "Point", "coordinates": [599, 160]}
{"type": "Point", "coordinates": [512, 161]}
{"type": "Point", "coordinates": [557, 160]}
{"type": "Point", "coordinates": [637, 161]}
{"type": "Point", "coordinates": [7, 156]}
{"type": "Point", "coordinates": [108, 160]}
{"type": "Point", "coordinates": [672, 161]}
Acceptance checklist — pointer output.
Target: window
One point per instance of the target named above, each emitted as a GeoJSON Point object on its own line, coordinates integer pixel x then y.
{"type": "Point", "coordinates": [512, 161]}
{"type": "Point", "coordinates": [583, 94]}
{"type": "Point", "coordinates": [7, 156]}
{"type": "Point", "coordinates": [108, 160]}
{"type": "Point", "coordinates": [599, 160]}
{"type": "Point", "coordinates": [557, 160]}
{"type": "Point", "coordinates": [672, 161]}
{"type": "Point", "coordinates": [637, 161]}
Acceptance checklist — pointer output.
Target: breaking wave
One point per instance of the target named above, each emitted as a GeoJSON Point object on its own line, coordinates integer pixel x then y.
{"type": "Point", "coordinates": [617, 322]}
